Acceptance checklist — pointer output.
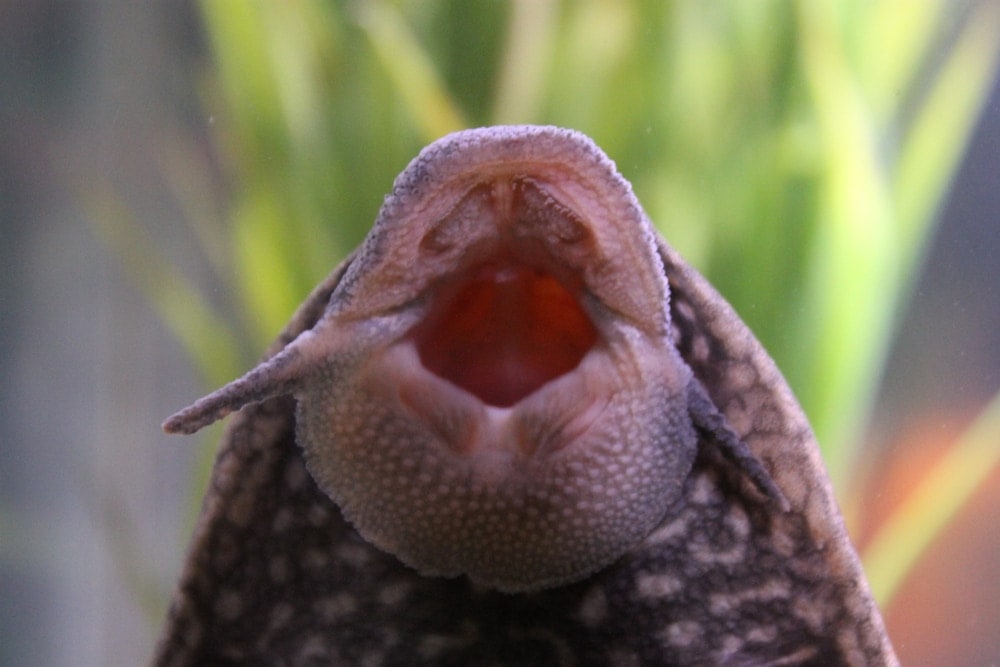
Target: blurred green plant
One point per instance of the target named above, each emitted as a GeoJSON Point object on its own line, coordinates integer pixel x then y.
{"type": "Point", "coordinates": [796, 152]}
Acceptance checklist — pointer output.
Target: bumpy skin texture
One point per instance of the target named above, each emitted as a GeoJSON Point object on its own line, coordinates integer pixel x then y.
{"type": "Point", "coordinates": [741, 560]}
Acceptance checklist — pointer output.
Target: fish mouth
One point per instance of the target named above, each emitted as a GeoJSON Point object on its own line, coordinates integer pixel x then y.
{"type": "Point", "coordinates": [503, 330]}
{"type": "Point", "coordinates": [510, 318]}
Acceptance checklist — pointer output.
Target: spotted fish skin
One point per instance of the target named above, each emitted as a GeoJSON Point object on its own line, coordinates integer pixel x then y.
{"type": "Point", "coordinates": [276, 575]}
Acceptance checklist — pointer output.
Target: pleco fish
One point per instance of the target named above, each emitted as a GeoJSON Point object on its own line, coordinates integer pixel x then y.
{"type": "Point", "coordinates": [516, 428]}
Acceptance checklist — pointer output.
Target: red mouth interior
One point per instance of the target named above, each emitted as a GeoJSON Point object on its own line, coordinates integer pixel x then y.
{"type": "Point", "coordinates": [504, 333]}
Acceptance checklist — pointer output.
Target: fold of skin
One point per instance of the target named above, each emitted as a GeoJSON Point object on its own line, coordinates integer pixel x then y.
{"type": "Point", "coordinates": [515, 427]}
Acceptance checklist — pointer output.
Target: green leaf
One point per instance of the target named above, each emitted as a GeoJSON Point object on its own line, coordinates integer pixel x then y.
{"type": "Point", "coordinates": [930, 507]}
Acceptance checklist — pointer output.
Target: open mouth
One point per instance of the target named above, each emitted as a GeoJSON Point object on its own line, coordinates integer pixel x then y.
{"type": "Point", "coordinates": [503, 331]}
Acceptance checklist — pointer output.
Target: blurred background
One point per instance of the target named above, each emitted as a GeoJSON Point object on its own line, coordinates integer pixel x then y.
{"type": "Point", "coordinates": [175, 177]}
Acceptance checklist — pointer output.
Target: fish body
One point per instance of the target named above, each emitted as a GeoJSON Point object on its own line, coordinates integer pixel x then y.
{"type": "Point", "coordinates": [516, 428]}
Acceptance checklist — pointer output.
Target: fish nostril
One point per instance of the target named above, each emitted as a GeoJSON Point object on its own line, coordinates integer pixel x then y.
{"type": "Point", "coordinates": [504, 333]}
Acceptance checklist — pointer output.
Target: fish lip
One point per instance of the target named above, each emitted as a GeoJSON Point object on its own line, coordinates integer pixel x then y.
{"type": "Point", "coordinates": [537, 427]}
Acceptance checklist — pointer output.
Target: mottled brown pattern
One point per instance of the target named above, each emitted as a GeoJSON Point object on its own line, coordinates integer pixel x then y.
{"type": "Point", "coordinates": [292, 582]}
{"type": "Point", "coordinates": [277, 576]}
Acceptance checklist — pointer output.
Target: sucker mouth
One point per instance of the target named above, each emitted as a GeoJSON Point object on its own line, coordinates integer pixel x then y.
{"type": "Point", "coordinates": [503, 330]}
